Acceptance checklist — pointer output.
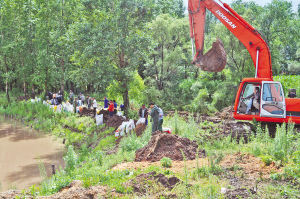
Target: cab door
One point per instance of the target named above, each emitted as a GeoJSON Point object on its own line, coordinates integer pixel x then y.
{"type": "Point", "coordinates": [272, 100]}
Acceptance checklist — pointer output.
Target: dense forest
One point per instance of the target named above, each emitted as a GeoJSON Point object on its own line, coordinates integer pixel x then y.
{"type": "Point", "coordinates": [135, 51]}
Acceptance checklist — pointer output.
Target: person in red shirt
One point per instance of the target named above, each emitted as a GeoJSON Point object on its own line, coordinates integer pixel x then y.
{"type": "Point", "coordinates": [111, 108]}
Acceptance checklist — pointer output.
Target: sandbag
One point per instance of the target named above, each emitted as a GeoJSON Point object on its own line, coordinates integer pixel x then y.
{"type": "Point", "coordinates": [141, 121]}
{"type": "Point", "coordinates": [99, 120]}
{"type": "Point", "coordinates": [119, 114]}
{"type": "Point", "coordinates": [58, 109]}
{"type": "Point", "coordinates": [167, 130]}
{"type": "Point", "coordinates": [130, 126]}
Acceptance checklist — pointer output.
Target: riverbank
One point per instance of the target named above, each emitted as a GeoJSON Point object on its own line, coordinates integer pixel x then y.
{"type": "Point", "coordinates": [253, 165]}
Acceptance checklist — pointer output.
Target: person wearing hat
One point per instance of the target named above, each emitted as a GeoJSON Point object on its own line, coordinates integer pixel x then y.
{"type": "Point", "coordinates": [154, 116]}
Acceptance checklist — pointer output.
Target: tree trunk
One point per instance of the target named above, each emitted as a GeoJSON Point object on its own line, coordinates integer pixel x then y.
{"type": "Point", "coordinates": [62, 56]}
{"type": "Point", "coordinates": [126, 101]}
{"type": "Point", "coordinates": [24, 82]}
{"type": "Point", "coordinates": [72, 86]}
{"type": "Point", "coordinates": [6, 79]}
{"type": "Point", "coordinates": [32, 92]}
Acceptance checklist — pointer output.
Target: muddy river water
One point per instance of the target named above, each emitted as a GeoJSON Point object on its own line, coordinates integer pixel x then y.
{"type": "Point", "coordinates": [19, 148]}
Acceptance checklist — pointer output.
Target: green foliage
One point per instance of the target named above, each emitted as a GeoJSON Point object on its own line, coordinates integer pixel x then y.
{"type": "Point", "coordinates": [131, 142]}
{"type": "Point", "coordinates": [166, 162]}
{"type": "Point", "coordinates": [70, 159]}
{"type": "Point", "coordinates": [266, 159]}
{"type": "Point", "coordinates": [288, 82]}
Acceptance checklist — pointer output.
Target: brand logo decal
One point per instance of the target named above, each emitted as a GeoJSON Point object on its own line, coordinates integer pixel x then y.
{"type": "Point", "coordinates": [226, 19]}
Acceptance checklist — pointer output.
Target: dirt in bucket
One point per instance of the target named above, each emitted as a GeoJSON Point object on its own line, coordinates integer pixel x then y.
{"type": "Point", "coordinates": [215, 59]}
{"type": "Point", "coordinates": [168, 145]}
{"type": "Point", "coordinates": [141, 184]}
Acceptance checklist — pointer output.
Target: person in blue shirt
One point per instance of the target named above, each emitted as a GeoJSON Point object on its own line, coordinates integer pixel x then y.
{"type": "Point", "coordinates": [105, 102]}
{"type": "Point", "coordinates": [115, 106]}
{"type": "Point", "coordinates": [161, 119]}
{"type": "Point", "coordinates": [122, 107]}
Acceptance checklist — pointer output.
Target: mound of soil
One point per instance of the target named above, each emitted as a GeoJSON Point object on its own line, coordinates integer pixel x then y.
{"type": "Point", "coordinates": [225, 113]}
{"type": "Point", "coordinates": [105, 115]}
{"type": "Point", "coordinates": [139, 129]}
{"type": "Point", "coordinates": [115, 121]}
{"type": "Point", "coordinates": [168, 145]}
{"type": "Point", "coordinates": [239, 193]}
{"type": "Point", "coordinates": [87, 112]}
{"type": "Point", "coordinates": [141, 184]}
{"type": "Point", "coordinates": [21, 98]}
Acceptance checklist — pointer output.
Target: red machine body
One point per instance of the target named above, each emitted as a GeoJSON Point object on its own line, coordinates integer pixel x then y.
{"type": "Point", "coordinates": [273, 106]}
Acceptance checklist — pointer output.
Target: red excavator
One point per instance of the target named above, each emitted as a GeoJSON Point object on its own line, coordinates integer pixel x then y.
{"type": "Point", "coordinates": [271, 104]}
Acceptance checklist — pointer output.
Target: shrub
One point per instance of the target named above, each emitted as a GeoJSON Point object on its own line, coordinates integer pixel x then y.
{"type": "Point", "coordinates": [70, 159]}
{"type": "Point", "coordinates": [166, 162]}
{"type": "Point", "coordinates": [266, 159]}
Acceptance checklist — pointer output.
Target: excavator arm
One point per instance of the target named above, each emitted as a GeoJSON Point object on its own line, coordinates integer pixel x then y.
{"type": "Point", "coordinates": [214, 59]}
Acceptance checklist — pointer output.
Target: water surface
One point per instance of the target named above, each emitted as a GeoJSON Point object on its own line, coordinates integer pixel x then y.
{"type": "Point", "coordinates": [19, 148]}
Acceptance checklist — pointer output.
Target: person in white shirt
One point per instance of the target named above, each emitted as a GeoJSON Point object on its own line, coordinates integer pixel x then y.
{"type": "Point", "coordinates": [94, 106]}
{"type": "Point", "coordinates": [161, 119]}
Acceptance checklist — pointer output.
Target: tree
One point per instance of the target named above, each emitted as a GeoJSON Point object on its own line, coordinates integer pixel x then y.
{"type": "Point", "coordinates": [170, 39]}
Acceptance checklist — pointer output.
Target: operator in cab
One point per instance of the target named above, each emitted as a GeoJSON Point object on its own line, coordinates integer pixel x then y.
{"type": "Point", "coordinates": [254, 100]}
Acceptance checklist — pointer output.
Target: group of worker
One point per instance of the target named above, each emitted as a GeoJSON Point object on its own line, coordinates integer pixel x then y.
{"type": "Point", "coordinates": [111, 105]}
{"type": "Point", "coordinates": [55, 98]}
{"type": "Point", "coordinates": [156, 113]}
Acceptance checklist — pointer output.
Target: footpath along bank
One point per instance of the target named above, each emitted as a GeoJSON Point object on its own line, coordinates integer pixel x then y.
{"type": "Point", "coordinates": [204, 164]}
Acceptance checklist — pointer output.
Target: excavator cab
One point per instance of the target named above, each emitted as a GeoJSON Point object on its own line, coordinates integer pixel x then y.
{"type": "Point", "coordinates": [247, 90]}
{"type": "Point", "coordinates": [271, 103]}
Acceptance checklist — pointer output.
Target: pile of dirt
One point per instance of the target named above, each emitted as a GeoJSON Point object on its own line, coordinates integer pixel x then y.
{"type": "Point", "coordinates": [75, 190]}
{"type": "Point", "coordinates": [168, 145]}
{"type": "Point", "coordinates": [105, 115]}
{"type": "Point", "coordinates": [21, 98]}
{"type": "Point", "coordinates": [139, 129]}
{"type": "Point", "coordinates": [87, 112]}
{"type": "Point", "coordinates": [141, 184]}
{"type": "Point", "coordinates": [115, 121]}
{"type": "Point", "coordinates": [239, 193]}
{"type": "Point", "coordinates": [225, 113]}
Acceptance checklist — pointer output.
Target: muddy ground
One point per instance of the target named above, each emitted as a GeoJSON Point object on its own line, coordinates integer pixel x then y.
{"type": "Point", "coordinates": [144, 182]}
{"type": "Point", "coordinates": [22, 98]}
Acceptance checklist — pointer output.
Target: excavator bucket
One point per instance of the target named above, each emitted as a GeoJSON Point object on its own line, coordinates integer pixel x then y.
{"type": "Point", "coordinates": [215, 59]}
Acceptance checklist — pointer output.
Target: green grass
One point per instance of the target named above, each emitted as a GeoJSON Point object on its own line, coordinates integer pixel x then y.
{"type": "Point", "coordinates": [93, 167]}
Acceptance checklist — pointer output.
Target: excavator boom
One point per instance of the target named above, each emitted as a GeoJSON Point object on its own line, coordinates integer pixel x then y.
{"type": "Point", "coordinates": [249, 36]}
